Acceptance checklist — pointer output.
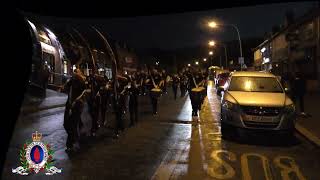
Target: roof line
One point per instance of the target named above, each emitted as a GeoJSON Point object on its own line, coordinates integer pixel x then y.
{"type": "Point", "coordinates": [310, 14]}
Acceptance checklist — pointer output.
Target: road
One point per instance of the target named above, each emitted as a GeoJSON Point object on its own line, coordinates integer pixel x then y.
{"type": "Point", "coordinates": [169, 146]}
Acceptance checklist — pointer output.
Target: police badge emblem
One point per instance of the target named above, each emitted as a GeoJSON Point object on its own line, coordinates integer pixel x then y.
{"type": "Point", "coordinates": [36, 156]}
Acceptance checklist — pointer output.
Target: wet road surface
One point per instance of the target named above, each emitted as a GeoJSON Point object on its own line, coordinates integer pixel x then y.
{"type": "Point", "coordinates": [169, 146]}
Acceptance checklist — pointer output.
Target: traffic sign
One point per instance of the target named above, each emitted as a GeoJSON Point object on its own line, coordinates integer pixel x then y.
{"type": "Point", "coordinates": [241, 60]}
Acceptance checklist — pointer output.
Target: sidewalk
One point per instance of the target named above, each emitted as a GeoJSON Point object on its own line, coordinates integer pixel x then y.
{"type": "Point", "coordinates": [53, 99]}
{"type": "Point", "coordinates": [310, 126]}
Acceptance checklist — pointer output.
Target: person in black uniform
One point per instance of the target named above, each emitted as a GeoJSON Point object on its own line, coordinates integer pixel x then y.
{"type": "Point", "coordinates": [175, 84]}
{"type": "Point", "coordinates": [164, 79]}
{"type": "Point", "coordinates": [105, 93]}
{"type": "Point", "coordinates": [154, 81]}
{"type": "Point", "coordinates": [120, 103]}
{"type": "Point", "coordinates": [93, 102]}
{"type": "Point", "coordinates": [183, 83]}
{"type": "Point", "coordinates": [74, 87]}
{"type": "Point", "coordinates": [133, 99]}
{"type": "Point", "coordinates": [299, 91]}
{"type": "Point", "coordinates": [194, 80]}
{"type": "Point", "coordinates": [189, 72]}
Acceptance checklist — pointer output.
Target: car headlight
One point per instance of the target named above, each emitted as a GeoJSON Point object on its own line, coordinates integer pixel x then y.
{"type": "Point", "coordinates": [229, 105]}
{"type": "Point", "coordinates": [290, 108]}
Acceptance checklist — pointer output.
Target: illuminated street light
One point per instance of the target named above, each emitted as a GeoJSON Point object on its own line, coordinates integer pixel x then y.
{"type": "Point", "coordinates": [189, 65]}
{"type": "Point", "coordinates": [204, 59]}
{"type": "Point", "coordinates": [210, 53]}
{"type": "Point", "coordinates": [197, 63]}
{"type": "Point", "coordinates": [212, 24]}
{"type": "Point", "coordinates": [212, 43]}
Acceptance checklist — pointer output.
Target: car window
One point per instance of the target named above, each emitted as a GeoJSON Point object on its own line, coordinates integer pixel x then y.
{"type": "Point", "coordinates": [255, 84]}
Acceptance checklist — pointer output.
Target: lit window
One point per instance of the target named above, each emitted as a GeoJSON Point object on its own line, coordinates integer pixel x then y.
{"type": "Point", "coordinates": [65, 67]}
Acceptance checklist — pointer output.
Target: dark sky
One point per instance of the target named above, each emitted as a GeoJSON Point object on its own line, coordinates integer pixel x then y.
{"type": "Point", "coordinates": [189, 29]}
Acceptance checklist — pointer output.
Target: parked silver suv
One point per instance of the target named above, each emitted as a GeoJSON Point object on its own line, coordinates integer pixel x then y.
{"type": "Point", "coordinates": [256, 100]}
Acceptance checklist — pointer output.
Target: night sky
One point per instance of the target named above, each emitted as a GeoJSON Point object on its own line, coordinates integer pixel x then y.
{"type": "Point", "coordinates": [189, 29]}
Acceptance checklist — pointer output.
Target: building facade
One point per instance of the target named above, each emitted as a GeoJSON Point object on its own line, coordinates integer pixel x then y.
{"type": "Point", "coordinates": [294, 48]}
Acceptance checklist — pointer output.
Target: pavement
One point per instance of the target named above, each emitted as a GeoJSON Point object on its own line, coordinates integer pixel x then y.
{"type": "Point", "coordinates": [310, 126]}
{"type": "Point", "coordinates": [168, 146]}
{"type": "Point", "coordinates": [33, 104]}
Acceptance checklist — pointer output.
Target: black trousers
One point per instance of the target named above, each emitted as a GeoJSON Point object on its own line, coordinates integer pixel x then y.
{"type": "Point", "coordinates": [71, 125]}
{"type": "Point", "coordinates": [133, 109]}
{"type": "Point", "coordinates": [175, 88]}
{"type": "Point", "coordinates": [154, 103]}
{"type": "Point", "coordinates": [94, 112]}
{"type": "Point", "coordinates": [195, 98]}
{"type": "Point", "coordinates": [299, 99]}
{"type": "Point", "coordinates": [183, 89]}
{"type": "Point", "coordinates": [119, 112]}
{"type": "Point", "coordinates": [103, 108]}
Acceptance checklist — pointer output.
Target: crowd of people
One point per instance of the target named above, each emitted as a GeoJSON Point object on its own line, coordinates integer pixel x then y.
{"type": "Point", "coordinates": [92, 95]}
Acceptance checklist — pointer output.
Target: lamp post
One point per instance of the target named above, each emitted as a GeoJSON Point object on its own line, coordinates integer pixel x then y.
{"type": "Point", "coordinates": [213, 24]}
{"type": "Point", "coordinates": [212, 43]}
{"type": "Point", "coordinates": [210, 54]}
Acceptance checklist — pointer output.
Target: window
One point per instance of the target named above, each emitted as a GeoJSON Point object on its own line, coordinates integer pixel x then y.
{"type": "Point", "coordinates": [65, 67]}
{"type": "Point", "coordinates": [108, 72]}
{"type": "Point", "coordinates": [255, 84]}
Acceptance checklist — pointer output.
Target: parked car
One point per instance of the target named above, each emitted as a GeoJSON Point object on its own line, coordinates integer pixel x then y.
{"type": "Point", "coordinates": [256, 100]}
{"type": "Point", "coordinates": [221, 80]}
{"type": "Point", "coordinates": [218, 72]}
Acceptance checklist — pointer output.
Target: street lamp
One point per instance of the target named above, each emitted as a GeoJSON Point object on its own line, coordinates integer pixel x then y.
{"type": "Point", "coordinates": [210, 53]}
{"type": "Point", "coordinates": [225, 49]}
{"type": "Point", "coordinates": [212, 43]}
{"type": "Point", "coordinates": [197, 63]}
{"type": "Point", "coordinates": [204, 59]}
{"type": "Point", "coordinates": [189, 65]}
{"type": "Point", "coordinates": [213, 24]}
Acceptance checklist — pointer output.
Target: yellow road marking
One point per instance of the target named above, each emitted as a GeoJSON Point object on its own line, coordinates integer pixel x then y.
{"type": "Point", "coordinates": [286, 170]}
{"type": "Point", "coordinates": [245, 166]}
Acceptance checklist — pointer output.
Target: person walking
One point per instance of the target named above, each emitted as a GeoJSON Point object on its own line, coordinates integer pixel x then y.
{"type": "Point", "coordinates": [133, 99]}
{"type": "Point", "coordinates": [72, 115]}
{"type": "Point", "coordinates": [120, 103]}
{"type": "Point", "coordinates": [194, 83]}
{"type": "Point", "coordinates": [183, 83]}
{"type": "Point", "coordinates": [153, 83]}
{"type": "Point", "coordinates": [94, 101]}
{"type": "Point", "coordinates": [299, 90]}
{"type": "Point", "coordinates": [105, 93]}
{"type": "Point", "coordinates": [175, 84]}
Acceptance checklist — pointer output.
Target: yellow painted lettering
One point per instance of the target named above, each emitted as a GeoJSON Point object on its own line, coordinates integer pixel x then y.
{"type": "Point", "coordinates": [286, 170]}
{"type": "Point", "coordinates": [245, 166]}
{"type": "Point", "coordinates": [219, 162]}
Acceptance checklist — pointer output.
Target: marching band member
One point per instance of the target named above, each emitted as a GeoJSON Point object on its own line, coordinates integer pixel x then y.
{"type": "Point", "coordinates": [196, 84]}
{"type": "Point", "coordinates": [120, 104]}
{"type": "Point", "coordinates": [133, 99]}
{"type": "Point", "coordinates": [175, 84]}
{"type": "Point", "coordinates": [154, 84]}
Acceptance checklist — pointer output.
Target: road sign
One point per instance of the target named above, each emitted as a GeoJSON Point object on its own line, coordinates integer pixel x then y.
{"type": "Point", "coordinates": [244, 66]}
{"type": "Point", "coordinates": [241, 60]}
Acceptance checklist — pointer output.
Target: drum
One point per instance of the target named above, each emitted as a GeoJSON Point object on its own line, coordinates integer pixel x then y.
{"type": "Point", "coordinates": [156, 92]}
{"type": "Point", "coordinates": [197, 90]}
